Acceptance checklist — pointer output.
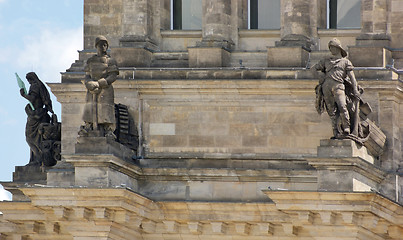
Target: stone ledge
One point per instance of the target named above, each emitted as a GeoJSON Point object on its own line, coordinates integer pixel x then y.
{"type": "Point", "coordinates": [104, 160]}
{"type": "Point", "coordinates": [103, 145]}
{"type": "Point", "coordinates": [343, 149]}
{"type": "Point", "coordinates": [231, 73]}
{"type": "Point", "coordinates": [337, 201]}
{"type": "Point", "coordinates": [293, 213]}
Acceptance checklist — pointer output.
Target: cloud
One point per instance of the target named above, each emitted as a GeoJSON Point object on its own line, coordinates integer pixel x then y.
{"type": "Point", "coordinates": [4, 195]}
{"type": "Point", "coordinates": [51, 52]}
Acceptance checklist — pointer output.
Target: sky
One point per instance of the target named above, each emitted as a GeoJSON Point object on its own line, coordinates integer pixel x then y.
{"type": "Point", "coordinates": [35, 35]}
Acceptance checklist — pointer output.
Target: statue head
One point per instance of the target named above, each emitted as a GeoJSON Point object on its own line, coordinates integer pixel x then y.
{"type": "Point", "coordinates": [336, 43]}
{"type": "Point", "coordinates": [32, 77]}
{"type": "Point", "coordinates": [99, 39]}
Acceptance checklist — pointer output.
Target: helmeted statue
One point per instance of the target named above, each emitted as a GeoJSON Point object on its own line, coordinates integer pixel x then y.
{"type": "Point", "coordinates": [339, 93]}
{"type": "Point", "coordinates": [42, 131]}
{"type": "Point", "coordinates": [99, 112]}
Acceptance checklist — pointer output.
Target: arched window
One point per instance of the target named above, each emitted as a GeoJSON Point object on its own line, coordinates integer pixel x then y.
{"type": "Point", "coordinates": [264, 14]}
{"type": "Point", "coordinates": [186, 14]}
{"type": "Point", "coordinates": [344, 14]}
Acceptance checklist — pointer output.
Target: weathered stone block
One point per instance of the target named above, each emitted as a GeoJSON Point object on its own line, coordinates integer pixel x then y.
{"type": "Point", "coordinates": [132, 57]}
{"type": "Point", "coordinates": [103, 145]}
{"type": "Point", "coordinates": [208, 57]}
{"type": "Point", "coordinates": [287, 57]}
{"type": "Point", "coordinates": [370, 56]}
{"type": "Point", "coordinates": [343, 149]}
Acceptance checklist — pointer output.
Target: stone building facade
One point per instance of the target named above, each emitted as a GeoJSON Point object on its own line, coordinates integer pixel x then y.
{"type": "Point", "coordinates": [230, 143]}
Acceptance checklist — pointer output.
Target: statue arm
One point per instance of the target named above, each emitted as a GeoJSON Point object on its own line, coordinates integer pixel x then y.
{"type": "Point", "coordinates": [318, 74]}
{"type": "Point", "coordinates": [111, 76]}
{"type": "Point", "coordinates": [90, 84]}
{"type": "Point", "coordinates": [28, 96]}
{"type": "Point", "coordinates": [351, 75]}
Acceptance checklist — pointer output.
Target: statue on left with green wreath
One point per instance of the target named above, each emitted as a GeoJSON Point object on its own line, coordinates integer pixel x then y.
{"type": "Point", "coordinates": [42, 131]}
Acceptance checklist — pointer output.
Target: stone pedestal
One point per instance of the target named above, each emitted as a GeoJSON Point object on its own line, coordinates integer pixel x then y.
{"type": "Point", "coordinates": [287, 56]}
{"type": "Point", "coordinates": [342, 165]}
{"type": "Point", "coordinates": [103, 145]}
{"type": "Point", "coordinates": [370, 56]}
{"type": "Point", "coordinates": [103, 170]}
{"type": "Point", "coordinates": [208, 57]}
{"type": "Point", "coordinates": [61, 175]}
{"type": "Point", "coordinates": [103, 162]}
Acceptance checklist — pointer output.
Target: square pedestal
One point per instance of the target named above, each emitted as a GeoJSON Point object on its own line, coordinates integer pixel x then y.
{"type": "Point", "coordinates": [103, 170]}
{"type": "Point", "coordinates": [103, 162]}
{"type": "Point", "coordinates": [287, 57]}
{"type": "Point", "coordinates": [132, 56]}
{"type": "Point", "coordinates": [202, 57]}
{"type": "Point", "coordinates": [343, 165]}
{"type": "Point", "coordinates": [370, 56]}
{"type": "Point", "coordinates": [103, 145]}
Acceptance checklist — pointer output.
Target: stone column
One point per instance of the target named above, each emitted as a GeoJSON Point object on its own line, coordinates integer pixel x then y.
{"type": "Point", "coordinates": [295, 23]}
{"type": "Point", "coordinates": [213, 50]}
{"type": "Point", "coordinates": [370, 46]}
{"type": "Point", "coordinates": [374, 23]}
{"type": "Point", "coordinates": [136, 45]}
{"type": "Point", "coordinates": [295, 35]}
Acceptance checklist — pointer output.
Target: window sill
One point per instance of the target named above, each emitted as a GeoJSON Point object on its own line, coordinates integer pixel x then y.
{"type": "Point", "coordinates": [259, 33]}
{"type": "Point", "coordinates": [181, 33]}
{"type": "Point", "coordinates": [335, 32]}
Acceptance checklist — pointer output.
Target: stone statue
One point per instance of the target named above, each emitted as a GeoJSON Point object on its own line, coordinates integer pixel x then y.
{"type": "Point", "coordinates": [99, 112]}
{"type": "Point", "coordinates": [339, 93]}
{"type": "Point", "coordinates": [42, 131]}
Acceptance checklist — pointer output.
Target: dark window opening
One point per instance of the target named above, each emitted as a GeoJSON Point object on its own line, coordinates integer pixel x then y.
{"type": "Point", "coordinates": [186, 14]}
{"type": "Point", "coordinates": [264, 14]}
{"type": "Point", "coordinates": [344, 14]}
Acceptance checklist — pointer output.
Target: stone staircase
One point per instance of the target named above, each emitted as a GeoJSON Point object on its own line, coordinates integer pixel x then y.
{"type": "Point", "coordinates": [77, 66]}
